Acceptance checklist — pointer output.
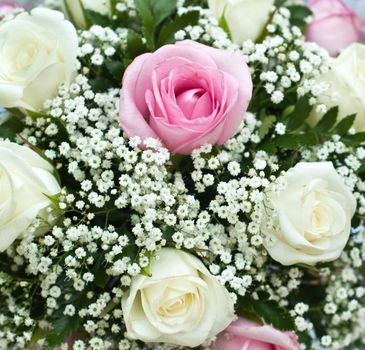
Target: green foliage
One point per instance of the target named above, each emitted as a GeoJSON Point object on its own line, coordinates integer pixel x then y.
{"type": "Point", "coordinates": [344, 125]}
{"type": "Point", "coordinates": [224, 25]}
{"type": "Point", "coordinates": [96, 18]}
{"type": "Point", "coordinates": [101, 277]}
{"type": "Point", "coordinates": [135, 45]}
{"type": "Point", "coordinates": [299, 15]}
{"type": "Point", "coordinates": [62, 328]}
{"type": "Point", "coordinates": [295, 141]}
{"type": "Point", "coordinates": [356, 346]}
{"type": "Point", "coordinates": [299, 115]}
{"type": "Point", "coordinates": [267, 124]}
{"type": "Point", "coordinates": [279, 3]}
{"type": "Point", "coordinates": [115, 68]}
{"type": "Point", "coordinates": [167, 33]}
{"type": "Point", "coordinates": [152, 13]}
{"type": "Point", "coordinates": [267, 311]}
{"type": "Point", "coordinates": [327, 121]}
{"type": "Point", "coordinates": [10, 128]}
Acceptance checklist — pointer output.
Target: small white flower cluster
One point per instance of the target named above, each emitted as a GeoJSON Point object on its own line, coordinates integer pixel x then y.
{"type": "Point", "coordinates": [16, 325]}
{"type": "Point", "coordinates": [121, 203]}
{"type": "Point", "coordinates": [206, 31]}
{"type": "Point", "coordinates": [126, 6]}
{"type": "Point", "coordinates": [99, 45]}
{"type": "Point", "coordinates": [343, 311]}
{"type": "Point", "coordinates": [287, 62]}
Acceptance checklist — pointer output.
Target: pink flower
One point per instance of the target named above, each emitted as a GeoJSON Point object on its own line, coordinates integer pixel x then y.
{"type": "Point", "coordinates": [335, 25]}
{"type": "Point", "coordinates": [10, 6]}
{"type": "Point", "coordinates": [246, 335]}
{"type": "Point", "coordinates": [186, 95]}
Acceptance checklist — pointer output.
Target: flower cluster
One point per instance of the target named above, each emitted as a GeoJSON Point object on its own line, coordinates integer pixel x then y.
{"type": "Point", "coordinates": [216, 201]}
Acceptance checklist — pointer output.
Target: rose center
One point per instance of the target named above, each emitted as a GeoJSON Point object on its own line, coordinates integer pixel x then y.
{"type": "Point", "coordinates": [26, 56]}
{"type": "Point", "coordinates": [322, 218]}
{"type": "Point", "coordinates": [176, 306]}
{"type": "Point", "coordinates": [195, 103]}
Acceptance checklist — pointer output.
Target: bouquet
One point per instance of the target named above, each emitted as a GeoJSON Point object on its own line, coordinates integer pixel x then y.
{"type": "Point", "coordinates": [179, 174]}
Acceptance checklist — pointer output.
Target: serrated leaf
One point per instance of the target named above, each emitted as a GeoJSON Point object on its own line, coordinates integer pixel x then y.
{"type": "Point", "coordinates": [268, 311]}
{"type": "Point", "coordinates": [267, 124]}
{"type": "Point", "coordinates": [356, 139]}
{"type": "Point", "coordinates": [152, 13]}
{"type": "Point", "coordinates": [327, 121]}
{"type": "Point", "coordinates": [167, 34]}
{"type": "Point", "coordinates": [344, 125]}
{"type": "Point", "coordinates": [294, 142]}
{"type": "Point", "coordinates": [301, 112]}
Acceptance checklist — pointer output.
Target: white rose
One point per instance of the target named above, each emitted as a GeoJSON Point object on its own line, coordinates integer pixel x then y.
{"type": "Point", "coordinates": [37, 53]}
{"type": "Point", "coordinates": [347, 83]}
{"type": "Point", "coordinates": [25, 182]}
{"type": "Point", "coordinates": [180, 304]}
{"type": "Point", "coordinates": [75, 9]}
{"type": "Point", "coordinates": [246, 19]}
{"type": "Point", "coordinates": [312, 216]}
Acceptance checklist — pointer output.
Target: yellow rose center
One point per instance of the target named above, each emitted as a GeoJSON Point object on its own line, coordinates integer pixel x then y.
{"type": "Point", "coordinates": [176, 306]}
{"type": "Point", "coordinates": [26, 56]}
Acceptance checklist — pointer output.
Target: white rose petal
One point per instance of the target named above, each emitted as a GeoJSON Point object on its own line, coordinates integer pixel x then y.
{"type": "Point", "coordinates": [25, 182]}
{"type": "Point", "coordinates": [347, 83]}
{"type": "Point", "coordinates": [314, 214]}
{"type": "Point", "coordinates": [246, 19]}
{"type": "Point", "coordinates": [37, 53]}
{"type": "Point", "coordinates": [182, 303]}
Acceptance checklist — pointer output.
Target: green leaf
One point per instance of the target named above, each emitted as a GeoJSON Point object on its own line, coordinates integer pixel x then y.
{"type": "Point", "coordinates": [359, 345]}
{"type": "Point", "coordinates": [95, 18]}
{"type": "Point", "coordinates": [115, 68]}
{"type": "Point", "coordinates": [152, 13]}
{"type": "Point", "coordinates": [279, 3]}
{"type": "Point", "coordinates": [294, 142]}
{"type": "Point", "coordinates": [62, 328]}
{"type": "Point", "coordinates": [327, 121]}
{"type": "Point", "coordinates": [38, 334]}
{"type": "Point", "coordinates": [167, 34]}
{"type": "Point", "coordinates": [135, 45]}
{"type": "Point", "coordinates": [299, 14]}
{"type": "Point", "coordinates": [344, 125]}
{"type": "Point", "coordinates": [355, 139]}
{"type": "Point", "coordinates": [267, 124]}
{"type": "Point", "coordinates": [55, 199]}
{"type": "Point", "coordinates": [147, 271]}
{"type": "Point", "coordinates": [100, 84]}
{"type": "Point", "coordinates": [268, 311]}
{"type": "Point", "coordinates": [11, 127]}
{"type": "Point", "coordinates": [224, 25]}
{"type": "Point", "coordinates": [301, 112]}
{"type": "Point", "coordinates": [101, 277]}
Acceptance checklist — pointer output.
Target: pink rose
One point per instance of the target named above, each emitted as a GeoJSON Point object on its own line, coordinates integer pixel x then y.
{"type": "Point", "coordinates": [9, 6]}
{"type": "Point", "coordinates": [186, 95]}
{"type": "Point", "coordinates": [243, 334]}
{"type": "Point", "coordinates": [335, 26]}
